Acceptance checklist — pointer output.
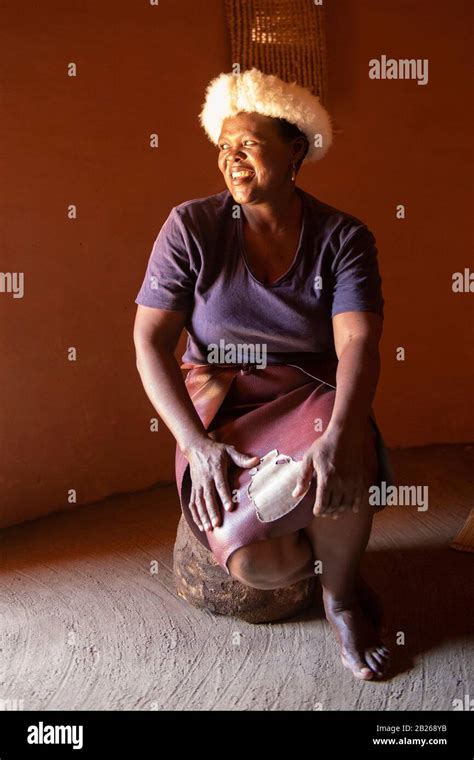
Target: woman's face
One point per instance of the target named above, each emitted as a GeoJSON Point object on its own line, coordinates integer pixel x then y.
{"type": "Point", "coordinates": [251, 144]}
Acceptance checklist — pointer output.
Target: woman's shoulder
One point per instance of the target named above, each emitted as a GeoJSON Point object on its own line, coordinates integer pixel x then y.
{"type": "Point", "coordinates": [202, 213]}
{"type": "Point", "coordinates": [334, 221]}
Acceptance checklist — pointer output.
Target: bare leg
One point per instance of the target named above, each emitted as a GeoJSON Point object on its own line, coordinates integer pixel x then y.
{"type": "Point", "coordinates": [339, 544]}
{"type": "Point", "coordinates": [302, 559]}
{"type": "Point", "coordinates": [274, 563]}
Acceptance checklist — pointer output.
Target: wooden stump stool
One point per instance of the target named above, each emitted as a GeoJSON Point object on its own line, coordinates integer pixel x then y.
{"type": "Point", "coordinates": [201, 581]}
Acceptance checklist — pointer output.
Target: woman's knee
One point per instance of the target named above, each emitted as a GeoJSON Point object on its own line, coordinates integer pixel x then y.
{"type": "Point", "coordinates": [264, 565]}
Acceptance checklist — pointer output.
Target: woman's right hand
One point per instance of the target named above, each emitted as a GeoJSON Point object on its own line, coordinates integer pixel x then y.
{"type": "Point", "coordinates": [209, 461]}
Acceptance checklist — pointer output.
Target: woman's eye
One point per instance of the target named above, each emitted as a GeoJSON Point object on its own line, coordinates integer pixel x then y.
{"type": "Point", "coordinates": [224, 146]}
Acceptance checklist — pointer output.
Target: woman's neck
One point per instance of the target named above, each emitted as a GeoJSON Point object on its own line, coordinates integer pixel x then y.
{"type": "Point", "coordinates": [274, 216]}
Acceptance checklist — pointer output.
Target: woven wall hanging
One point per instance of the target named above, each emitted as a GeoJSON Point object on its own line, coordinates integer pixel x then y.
{"type": "Point", "coordinates": [282, 37]}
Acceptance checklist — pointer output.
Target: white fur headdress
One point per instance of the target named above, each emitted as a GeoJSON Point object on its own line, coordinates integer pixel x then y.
{"type": "Point", "coordinates": [267, 94]}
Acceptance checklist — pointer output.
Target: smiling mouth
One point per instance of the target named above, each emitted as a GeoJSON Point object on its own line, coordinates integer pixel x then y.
{"type": "Point", "coordinates": [239, 176]}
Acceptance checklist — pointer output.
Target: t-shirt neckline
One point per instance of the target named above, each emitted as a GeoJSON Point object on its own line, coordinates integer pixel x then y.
{"type": "Point", "coordinates": [297, 255]}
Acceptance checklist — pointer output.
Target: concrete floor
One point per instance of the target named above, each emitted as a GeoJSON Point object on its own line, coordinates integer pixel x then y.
{"type": "Point", "coordinates": [84, 624]}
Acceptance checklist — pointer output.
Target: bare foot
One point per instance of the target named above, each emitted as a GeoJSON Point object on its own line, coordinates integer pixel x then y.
{"type": "Point", "coordinates": [362, 650]}
{"type": "Point", "coordinates": [371, 605]}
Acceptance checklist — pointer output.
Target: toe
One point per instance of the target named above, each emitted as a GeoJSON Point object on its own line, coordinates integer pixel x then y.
{"type": "Point", "coordinates": [364, 672]}
{"type": "Point", "coordinates": [384, 659]}
{"type": "Point", "coordinates": [359, 669]}
{"type": "Point", "coordinates": [379, 659]}
{"type": "Point", "coordinates": [373, 663]}
{"type": "Point", "coordinates": [380, 656]}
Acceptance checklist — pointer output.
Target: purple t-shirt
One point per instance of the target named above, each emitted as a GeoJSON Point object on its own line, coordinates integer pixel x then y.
{"type": "Point", "coordinates": [198, 265]}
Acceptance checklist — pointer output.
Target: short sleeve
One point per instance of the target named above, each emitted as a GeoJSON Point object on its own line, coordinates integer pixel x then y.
{"type": "Point", "coordinates": [169, 281]}
{"type": "Point", "coordinates": [356, 276]}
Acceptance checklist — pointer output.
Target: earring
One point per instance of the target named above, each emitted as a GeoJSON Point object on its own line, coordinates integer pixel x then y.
{"type": "Point", "coordinates": [293, 175]}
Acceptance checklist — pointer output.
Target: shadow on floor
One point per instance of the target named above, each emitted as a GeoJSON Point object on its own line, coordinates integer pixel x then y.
{"type": "Point", "coordinates": [427, 597]}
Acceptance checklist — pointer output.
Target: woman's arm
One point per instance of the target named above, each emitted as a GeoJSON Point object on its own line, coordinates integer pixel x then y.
{"type": "Point", "coordinates": [356, 336]}
{"type": "Point", "coordinates": [337, 456]}
{"type": "Point", "coordinates": [156, 334]}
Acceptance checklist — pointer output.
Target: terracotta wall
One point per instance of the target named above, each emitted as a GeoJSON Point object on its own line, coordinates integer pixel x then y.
{"type": "Point", "coordinates": [84, 424]}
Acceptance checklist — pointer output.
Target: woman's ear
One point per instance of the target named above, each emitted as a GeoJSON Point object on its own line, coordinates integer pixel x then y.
{"type": "Point", "coordinates": [300, 149]}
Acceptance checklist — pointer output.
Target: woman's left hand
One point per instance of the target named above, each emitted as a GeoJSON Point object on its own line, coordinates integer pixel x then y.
{"type": "Point", "coordinates": [337, 462]}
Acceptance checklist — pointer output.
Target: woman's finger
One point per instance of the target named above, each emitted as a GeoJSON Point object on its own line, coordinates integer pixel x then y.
{"type": "Point", "coordinates": [323, 494]}
{"type": "Point", "coordinates": [201, 508]}
{"type": "Point", "coordinates": [242, 460]}
{"type": "Point", "coordinates": [335, 500]}
{"type": "Point", "coordinates": [358, 496]}
{"type": "Point", "coordinates": [347, 499]}
{"type": "Point", "coordinates": [305, 476]}
{"type": "Point", "coordinates": [193, 510]}
{"type": "Point", "coordinates": [223, 489]}
{"type": "Point", "coordinates": [211, 505]}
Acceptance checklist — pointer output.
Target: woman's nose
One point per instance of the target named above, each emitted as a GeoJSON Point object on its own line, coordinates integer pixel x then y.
{"type": "Point", "coordinates": [234, 155]}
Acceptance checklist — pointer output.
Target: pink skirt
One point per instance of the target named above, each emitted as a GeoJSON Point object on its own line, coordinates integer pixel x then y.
{"type": "Point", "coordinates": [275, 413]}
